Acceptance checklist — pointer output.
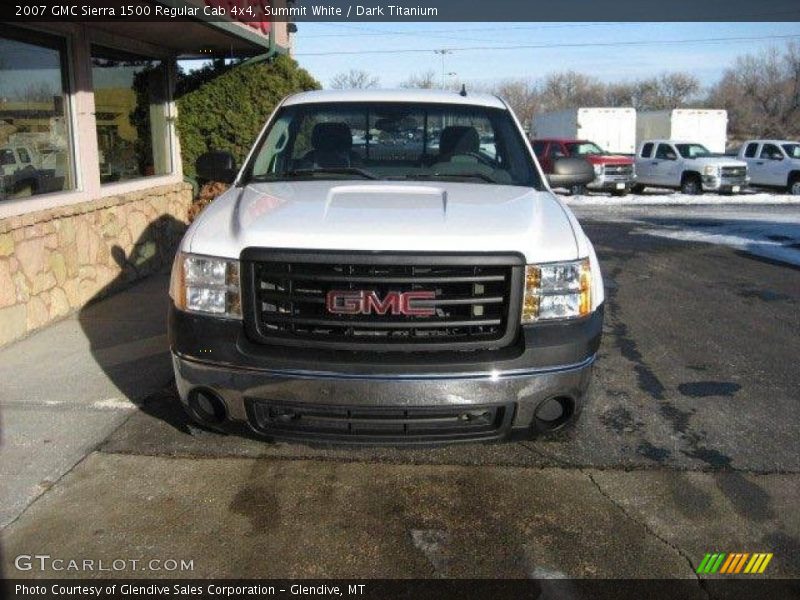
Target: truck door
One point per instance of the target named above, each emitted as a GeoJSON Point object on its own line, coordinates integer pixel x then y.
{"type": "Point", "coordinates": [540, 150]}
{"type": "Point", "coordinates": [665, 166]}
{"type": "Point", "coordinates": [755, 166]}
{"type": "Point", "coordinates": [644, 165]}
{"type": "Point", "coordinates": [773, 163]}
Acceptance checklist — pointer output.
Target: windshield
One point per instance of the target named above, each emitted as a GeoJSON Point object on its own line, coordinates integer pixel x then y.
{"type": "Point", "coordinates": [792, 150]}
{"type": "Point", "coordinates": [393, 141]}
{"type": "Point", "coordinates": [692, 150]}
{"type": "Point", "coordinates": [584, 149]}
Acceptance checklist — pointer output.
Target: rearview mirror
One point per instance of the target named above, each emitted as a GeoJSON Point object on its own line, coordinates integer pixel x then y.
{"type": "Point", "coordinates": [568, 172]}
{"type": "Point", "coordinates": [216, 166]}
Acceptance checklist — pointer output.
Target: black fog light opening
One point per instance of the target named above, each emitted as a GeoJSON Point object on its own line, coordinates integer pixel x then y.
{"type": "Point", "coordinates": [207, 406]}
{"type": "Point", "coordinates": [553, 413]}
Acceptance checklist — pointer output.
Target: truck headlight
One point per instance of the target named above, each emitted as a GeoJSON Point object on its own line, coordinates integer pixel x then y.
{"type": "Point", "coordinates": [711, 170]}
{"type": "Point", "coordinates": [206, 285]}
{"type": "Point", "coordinates": [557, 291]}
{"type": "Point", "coordinates": [598, 170]}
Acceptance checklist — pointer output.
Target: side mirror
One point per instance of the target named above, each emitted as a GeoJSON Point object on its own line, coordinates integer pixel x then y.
{"type": "Point", "coordinates": [216, 166]}
{"type": "Point", "coordinates": [570, 171]}
{"type": "Point", "coordinates": [672, 156]}
{"type": "Point", "coordinates": [776, 157]}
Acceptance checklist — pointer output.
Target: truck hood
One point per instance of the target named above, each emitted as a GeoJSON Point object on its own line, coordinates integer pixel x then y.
{"type": "Point", "coordinates": [389, 216]}
{"type": "Point", "coordinates": [720, 161]}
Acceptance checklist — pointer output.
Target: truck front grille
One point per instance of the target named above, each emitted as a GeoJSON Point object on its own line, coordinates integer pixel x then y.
{"type": "Point", "coordinates": [473, 301]}
{"type": "Point", "coordinates": [733, 172]}
{"type": "Point", "coordinates": [618, 170]}
{"type": "Point", "coordinates": [376, 424]}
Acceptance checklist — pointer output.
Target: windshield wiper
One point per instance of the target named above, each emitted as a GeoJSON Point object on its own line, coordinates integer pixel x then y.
{"type": "Point", "coordinates": [332, 171]}
{"type": "Point", "coordinates": [472, 175]}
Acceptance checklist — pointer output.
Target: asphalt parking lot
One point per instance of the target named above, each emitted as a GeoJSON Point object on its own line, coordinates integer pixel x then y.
{"type": "Point", "coordinates": [690, 444]}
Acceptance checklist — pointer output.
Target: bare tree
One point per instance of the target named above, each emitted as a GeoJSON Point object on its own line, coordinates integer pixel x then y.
{"type": "Point", "coordinates": [569, 89]}
{"type": "Point", "coordinates": [761, 93]}
{"type": "Point", "coordinates": [354, 79]}
{"type": "Point", "coordinates": [425, 80]}
{"type": "Point", "coordinates": [523, 97]}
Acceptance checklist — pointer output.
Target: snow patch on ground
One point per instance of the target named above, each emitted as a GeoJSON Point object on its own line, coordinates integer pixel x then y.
{"type": "Point", "coordinates": [676, 198]}
{"type": "Point", "coordinates": [773, 240]}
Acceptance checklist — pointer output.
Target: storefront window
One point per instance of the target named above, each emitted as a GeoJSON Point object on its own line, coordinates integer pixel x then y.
{"type": "Point", "coordinates": [130, 97]}
{"type": "Point", "coordinates": [35, 146]}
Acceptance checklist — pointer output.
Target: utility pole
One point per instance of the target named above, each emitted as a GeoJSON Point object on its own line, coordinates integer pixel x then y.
{"type": "Point", "coordinates": [443, 52]}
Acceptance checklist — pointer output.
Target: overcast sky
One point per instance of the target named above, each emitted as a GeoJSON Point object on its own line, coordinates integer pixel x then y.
{"type": "Point", "coordinates": [705, 59]}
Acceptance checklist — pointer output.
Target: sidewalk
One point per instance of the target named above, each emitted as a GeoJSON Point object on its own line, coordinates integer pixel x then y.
{"type": "Point", "coordinates": [66, 388]}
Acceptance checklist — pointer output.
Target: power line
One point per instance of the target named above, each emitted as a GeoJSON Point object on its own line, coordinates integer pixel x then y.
{"type": "Point", "coordinates": [547, 46]}
{"type": "Point", "coordinates": [371, 31]}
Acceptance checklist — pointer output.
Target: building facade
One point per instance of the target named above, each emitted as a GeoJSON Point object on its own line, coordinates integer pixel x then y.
{"type": "Point", "coordinates": [92, 194]}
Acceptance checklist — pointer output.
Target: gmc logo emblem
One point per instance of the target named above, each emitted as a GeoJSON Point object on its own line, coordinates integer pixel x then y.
{"type": "Point", "coordinates": [363, 302]}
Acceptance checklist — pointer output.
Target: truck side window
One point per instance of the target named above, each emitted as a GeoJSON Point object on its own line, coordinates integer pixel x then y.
{"type": "Point", "coordinates": [750, 152]}
{"type": "Point", "coordinates": [24, 157]}
{"type": "Point", "coordinates": [556, 151]}
{"type": "Point", "coordinates": [647, 150]}
{"type": "Point", "coordinates": [6, 157]}
{"type": "Point", "coordinates": [665, 152]}
{"type": "Point", "coordinates": [538, 148]}
{"type": "Point", "coordinates": [771, 152]}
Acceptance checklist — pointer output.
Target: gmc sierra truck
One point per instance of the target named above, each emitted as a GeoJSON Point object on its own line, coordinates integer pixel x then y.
{"type": "Point", "coordinates": [397, 291]}
{"type": "Point", "coordinates": [687, 166]}
{"type": "Point", "coordinates": [773, 164]}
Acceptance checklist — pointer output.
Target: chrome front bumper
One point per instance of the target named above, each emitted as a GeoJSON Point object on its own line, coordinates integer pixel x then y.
{"type": "Point", "coordinates": [521, 391]}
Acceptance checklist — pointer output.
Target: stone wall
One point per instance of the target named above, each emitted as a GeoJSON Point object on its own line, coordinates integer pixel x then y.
{"type": "Point", "coordinates": [55, 261]}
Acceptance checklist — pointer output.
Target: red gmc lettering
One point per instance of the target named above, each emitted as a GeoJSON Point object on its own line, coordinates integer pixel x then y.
{"type": "Point", "coordinates": [355, 302]}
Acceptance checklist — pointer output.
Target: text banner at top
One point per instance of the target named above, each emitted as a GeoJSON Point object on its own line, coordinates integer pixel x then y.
{"type": "Point", "coordinates": [400, 10]}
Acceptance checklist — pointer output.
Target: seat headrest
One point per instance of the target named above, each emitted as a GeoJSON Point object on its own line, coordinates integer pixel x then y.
{"type": "Point", "coordinates": [459, 139]}
{"type": "Point", "coordinates": [329, 137]}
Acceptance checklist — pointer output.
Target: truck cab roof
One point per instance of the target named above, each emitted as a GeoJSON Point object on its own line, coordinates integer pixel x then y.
{"type": "Point", "coordinates": [401, 95]}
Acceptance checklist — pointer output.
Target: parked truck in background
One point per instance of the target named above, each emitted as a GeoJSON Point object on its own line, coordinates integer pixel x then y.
{"type": "Point", "coordinates": [687, 166]}
{"type": "Point", "coordinates": [773, 164]}
{"type": "Point", "coordinates": [708, 127]}
{"type": "Point", "coordinates": [613, 129]}
{"type": "Point", "coordinates": [613, 172]}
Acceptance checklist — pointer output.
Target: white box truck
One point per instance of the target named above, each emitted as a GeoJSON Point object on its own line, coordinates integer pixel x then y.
{"type": "Point", "coordinates": [708, 127]}
{"type": "Point", "coordinates": [613, 129]}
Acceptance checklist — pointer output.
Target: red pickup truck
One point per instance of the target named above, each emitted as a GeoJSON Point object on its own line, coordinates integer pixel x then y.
{"type": "Point", "coordinates": [614, 173]}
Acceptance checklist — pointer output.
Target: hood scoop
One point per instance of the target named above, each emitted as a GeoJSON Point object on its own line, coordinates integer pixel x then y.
{"type": "Point", "coordinates": [394, 203]}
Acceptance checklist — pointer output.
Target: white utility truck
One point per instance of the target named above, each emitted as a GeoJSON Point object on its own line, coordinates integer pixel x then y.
{"type": "Point", "coordinates": [613, 129]}
{"type": "Point", "coordinates": [773, 163]}
{"type": "Point", "coordinates": [386, 292]}
{"type": "Point", "coordinates": [708, 127]}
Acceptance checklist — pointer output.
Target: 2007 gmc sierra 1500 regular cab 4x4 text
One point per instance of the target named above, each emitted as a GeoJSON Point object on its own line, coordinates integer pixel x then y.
{"type": "Point", "coordinates": [376, 274]}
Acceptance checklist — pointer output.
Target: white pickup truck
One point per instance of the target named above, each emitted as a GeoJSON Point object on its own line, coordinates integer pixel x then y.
{"type": "Point", "coordinates": [395, 291]}
{"type": "Point", "coordinates": [687, 166]}
{"type": "Point", "coordinates": [773, 163]}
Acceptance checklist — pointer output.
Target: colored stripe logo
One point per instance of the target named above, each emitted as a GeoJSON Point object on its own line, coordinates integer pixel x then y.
{"type": "Point", "coordinates": [734, 563]}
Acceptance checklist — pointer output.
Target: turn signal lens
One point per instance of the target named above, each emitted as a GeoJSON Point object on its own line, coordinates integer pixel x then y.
{"type": "Point", "coordinates": [557, 291]}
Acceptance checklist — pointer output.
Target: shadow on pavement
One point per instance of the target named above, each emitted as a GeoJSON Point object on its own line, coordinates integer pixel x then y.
{"type": "Point", "coordinates": [126, 321]}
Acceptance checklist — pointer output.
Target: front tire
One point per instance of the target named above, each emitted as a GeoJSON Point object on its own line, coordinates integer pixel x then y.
{"type": "Point", "coordinates": [794, 186]}
{"type": "Point", "coordinates": [691, 185]}
{"type": "Point", "coordinates": [577, 190]}
{"type": "Point", "coordinates": [637, 188]}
